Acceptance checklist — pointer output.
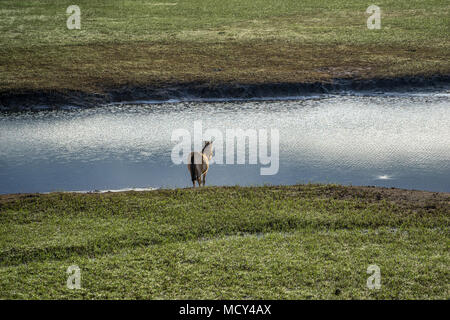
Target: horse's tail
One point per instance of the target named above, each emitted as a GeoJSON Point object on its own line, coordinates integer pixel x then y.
{"type": "Point", "coordinates": [194, 175]}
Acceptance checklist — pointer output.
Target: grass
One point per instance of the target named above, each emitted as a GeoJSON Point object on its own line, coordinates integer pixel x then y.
{"type": "Point", "coordinates": [159, 43]}
{"type": "Point", "coordinates": [291, 242]}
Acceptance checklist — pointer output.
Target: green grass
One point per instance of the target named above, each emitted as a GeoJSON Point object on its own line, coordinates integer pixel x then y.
{"type": "Point", "coordinates": [293, 242]}
{"type": "Point", "coordinates": [157, 43]}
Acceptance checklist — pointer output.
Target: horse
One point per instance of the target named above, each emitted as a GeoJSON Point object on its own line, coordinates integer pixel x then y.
{"type": "Point", "coordinates": [198, 164]}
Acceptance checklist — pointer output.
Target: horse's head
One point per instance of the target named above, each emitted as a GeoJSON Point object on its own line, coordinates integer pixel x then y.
{"type": "Point", "coordinates": [208, 149]}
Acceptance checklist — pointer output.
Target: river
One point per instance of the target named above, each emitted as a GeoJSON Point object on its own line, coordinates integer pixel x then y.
{"type": "Point", "coordinates": [391, 140]}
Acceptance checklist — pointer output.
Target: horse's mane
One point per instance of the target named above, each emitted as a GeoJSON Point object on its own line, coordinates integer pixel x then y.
{"type": "Point", "coordinates": [206, 144]}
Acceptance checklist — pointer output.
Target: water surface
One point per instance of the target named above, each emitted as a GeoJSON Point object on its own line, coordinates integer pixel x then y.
{"type": "Point", "coordinates": [395, 141]}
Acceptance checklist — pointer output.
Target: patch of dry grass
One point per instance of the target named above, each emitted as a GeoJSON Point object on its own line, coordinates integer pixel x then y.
{"type": "Point", "coordinates": [97, 68]}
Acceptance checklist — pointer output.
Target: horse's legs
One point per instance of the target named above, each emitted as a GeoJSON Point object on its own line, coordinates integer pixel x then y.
{"type": "Point", "coordinates": [193, 183]}
{"type": "Point", "coordinates": [199, 180]}
{"type": "Point", "coordinates": [204, 179]}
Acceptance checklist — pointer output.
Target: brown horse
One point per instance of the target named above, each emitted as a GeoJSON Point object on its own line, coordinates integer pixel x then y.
{"type": "Point", "coordinates": [198, 164]}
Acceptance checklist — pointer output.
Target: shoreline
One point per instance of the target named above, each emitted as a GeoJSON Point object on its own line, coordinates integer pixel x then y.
{"type": "Point", "coordinates": [349, 188]}
{"type": "Point", "coordinates": [25, 100]}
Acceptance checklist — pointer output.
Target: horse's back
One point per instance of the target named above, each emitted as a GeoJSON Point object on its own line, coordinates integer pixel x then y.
{"type": "Point", "coordinates": [201, 162]}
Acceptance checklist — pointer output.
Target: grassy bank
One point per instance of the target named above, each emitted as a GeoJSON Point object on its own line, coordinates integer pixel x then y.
{"type": "Point", "coordinates": [155, 43]}
{"type": "Point", "coordinates": [293, 242]}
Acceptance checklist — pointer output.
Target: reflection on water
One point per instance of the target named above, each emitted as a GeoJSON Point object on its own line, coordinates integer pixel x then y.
{"type": "Point", "coordinates": [398, 141]}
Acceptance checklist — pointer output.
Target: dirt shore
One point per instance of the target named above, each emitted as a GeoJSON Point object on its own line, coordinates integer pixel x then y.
{"type": "Point", "coordinates": [20, 100]}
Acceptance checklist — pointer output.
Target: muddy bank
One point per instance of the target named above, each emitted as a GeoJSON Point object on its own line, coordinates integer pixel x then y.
{"type": "Point", "coordinates": [20, 100]}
